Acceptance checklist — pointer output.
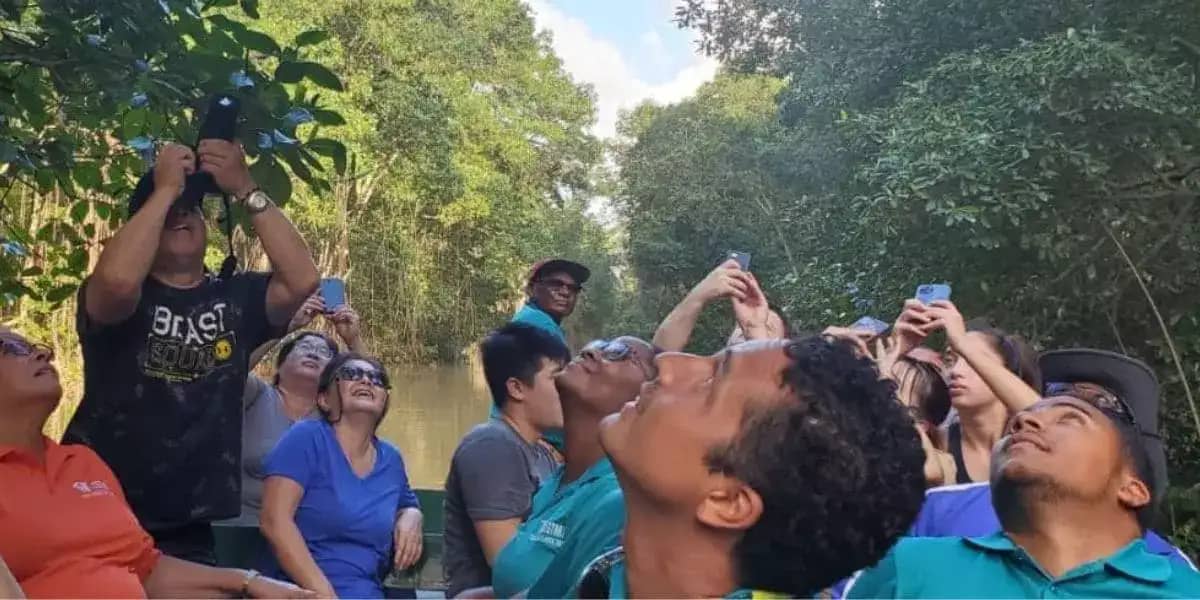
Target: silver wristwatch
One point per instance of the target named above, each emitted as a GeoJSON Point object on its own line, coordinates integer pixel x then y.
{"type": "Point", "coordinates": [257, 201]}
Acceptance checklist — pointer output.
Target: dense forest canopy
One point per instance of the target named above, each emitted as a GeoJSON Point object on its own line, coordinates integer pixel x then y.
{"type": "Point", "coordinates": [1043, 158]}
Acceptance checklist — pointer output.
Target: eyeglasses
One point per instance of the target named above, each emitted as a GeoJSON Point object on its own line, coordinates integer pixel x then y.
{"type": "Point", "coordinates": [560, 285]}
{"type": "Point", "coordinates": [1095, 395]}
{"type": "Point", "coordinates": [374, 377]}
{"type": "Point", "coordinates": [313, 345]}
{"type": "Point", "coordinates": [22, 348]}
{"type": "Point", "coordinates": [617, 351]}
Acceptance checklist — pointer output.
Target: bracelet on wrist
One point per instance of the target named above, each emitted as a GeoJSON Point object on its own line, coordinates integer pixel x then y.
{"type": "Point", "coordinates": [251, 575]}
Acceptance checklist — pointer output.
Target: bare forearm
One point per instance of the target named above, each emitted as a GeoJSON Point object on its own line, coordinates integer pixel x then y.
{"type": "Point", "coordinates": [1008, 387]}
{"type": "Point", "coordinates": [291, 261]}
{"type": "Point", "coordinates": [293, 554]}
{"type": "Point", "coordinates": [675, 331]}
{"type": "Point", "coordinates": [126, 260]}
{"type": "Point", "coordinates": [175, 578]}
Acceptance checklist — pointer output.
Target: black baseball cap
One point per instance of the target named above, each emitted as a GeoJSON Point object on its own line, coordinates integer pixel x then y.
{"type": "Point", "coordinates": [577, 271]}
{"type": "Point", "coordinates": [1127, 378]}
{"type": "Point", "coordinates": [195, 188]}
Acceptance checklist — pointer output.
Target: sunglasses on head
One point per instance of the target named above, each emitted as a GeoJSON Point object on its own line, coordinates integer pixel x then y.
{"type": "Point", "coordinates": [1095, 395]}
{"type": "Point", "coordinates": [558, 284]}
{"type": "Point", "coordinates": [21, 348]}
{"type": "Point", "coordinates": [374, 377]}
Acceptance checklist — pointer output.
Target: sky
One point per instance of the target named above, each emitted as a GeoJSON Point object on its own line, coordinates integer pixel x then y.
{"type": "Point", "coordinates": [628, 50]}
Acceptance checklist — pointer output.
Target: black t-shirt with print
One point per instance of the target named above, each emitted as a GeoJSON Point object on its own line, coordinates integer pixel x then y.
{"type": "Point", "coordinates": [162, 398]}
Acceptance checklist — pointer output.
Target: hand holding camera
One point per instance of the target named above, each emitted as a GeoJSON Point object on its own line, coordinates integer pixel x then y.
{"type": "Point", "coordinates": [174, 164]}
{"type": "Point", "coordinates": [226, 162]}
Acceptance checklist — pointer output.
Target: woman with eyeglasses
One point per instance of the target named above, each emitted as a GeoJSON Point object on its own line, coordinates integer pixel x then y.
{"type": "Point", "coordinates": [337, 507]}
{"type": "Point", "coordinates": [578, 511]}
{"type": "Point", "coordinates": [66, 530]}
{"type": "Point", "coordinates": [271, 407]}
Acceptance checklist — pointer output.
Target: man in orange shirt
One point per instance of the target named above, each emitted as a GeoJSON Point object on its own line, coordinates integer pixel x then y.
{"type": "Point", "coordinates": [68, 531]}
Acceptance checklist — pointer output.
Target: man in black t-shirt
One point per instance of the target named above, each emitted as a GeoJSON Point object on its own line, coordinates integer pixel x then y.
{"type": "Point", "coordinates": [166, 346]}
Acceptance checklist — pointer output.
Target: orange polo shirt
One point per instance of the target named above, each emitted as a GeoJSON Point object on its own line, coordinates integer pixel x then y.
{"type": "Point", "coordinates": [67, 531]}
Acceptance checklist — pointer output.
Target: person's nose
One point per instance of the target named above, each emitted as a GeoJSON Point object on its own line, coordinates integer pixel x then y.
{"type": "Point", "coordinates": [1026, 421]}
{"type": "Point", "coordinates": [43, 354]}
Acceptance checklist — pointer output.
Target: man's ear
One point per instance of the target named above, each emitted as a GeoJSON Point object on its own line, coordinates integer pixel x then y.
{"type": "Point", "coordinates": [729, 504]}
{"type": "Point", "coordinates": [516, 389]}
{"type": "Point", "coordinates": [1133, 493]}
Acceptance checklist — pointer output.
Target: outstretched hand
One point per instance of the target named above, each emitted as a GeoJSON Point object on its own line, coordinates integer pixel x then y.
{"type": "Point", "coordinates": [313, 306]}
{"type": "Point", "coordinates": [943, 315]}
{"type": "Point", "coordinates": [727, 280]}
{"type": "Point", "coordinates": [226, 162]}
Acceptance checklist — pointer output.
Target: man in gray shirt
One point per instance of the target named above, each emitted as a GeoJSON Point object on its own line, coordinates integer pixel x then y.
{"type": "Point", "coordinates": [499, 464]}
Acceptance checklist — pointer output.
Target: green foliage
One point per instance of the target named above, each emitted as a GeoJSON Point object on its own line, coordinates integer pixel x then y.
{"type": "Point", "coordinates": [91, 86]}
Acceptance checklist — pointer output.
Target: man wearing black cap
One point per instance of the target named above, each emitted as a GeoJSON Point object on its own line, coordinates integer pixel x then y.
{"type": "Point", "coordinates": [552, 290]}
{"type": "Point", "coordinates": [166, 344]}
{"type": "Point", "coordinates": [1074, 483]}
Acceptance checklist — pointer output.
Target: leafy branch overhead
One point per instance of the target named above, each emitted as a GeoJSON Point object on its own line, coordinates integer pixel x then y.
{"type": "Point", "coordinates": [93, 87]}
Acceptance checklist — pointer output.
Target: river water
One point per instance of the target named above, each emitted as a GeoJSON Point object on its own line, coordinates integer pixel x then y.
{"type": "Point", "coordinates": [431, 409]}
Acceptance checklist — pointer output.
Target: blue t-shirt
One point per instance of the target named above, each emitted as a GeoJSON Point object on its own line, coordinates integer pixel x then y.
{"type": "Point", "coordinates": [347, 521]}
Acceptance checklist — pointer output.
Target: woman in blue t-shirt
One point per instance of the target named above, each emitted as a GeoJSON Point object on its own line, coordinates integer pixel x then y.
{"type": "Point", "coordinates": [337, 507]}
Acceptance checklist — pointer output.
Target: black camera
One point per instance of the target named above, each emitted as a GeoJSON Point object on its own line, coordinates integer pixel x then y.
{"type": "Point", "coordinates": [220, 122]}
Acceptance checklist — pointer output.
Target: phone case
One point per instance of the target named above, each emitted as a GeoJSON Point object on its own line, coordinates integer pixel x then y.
{"type": "Point", "coordinates": [932, 292]}
{"type": "Point", "coordinates": [333, 292]}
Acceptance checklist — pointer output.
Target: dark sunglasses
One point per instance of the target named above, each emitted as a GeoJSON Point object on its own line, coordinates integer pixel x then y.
{"type": "Point", "coordinates": [21, 348]}
{"type": "Point", "coordinates": [560, 285]}
{"type": "Point", "coordinates": [1095, 395]}
{"type": "Point", "coordinates": [374, 377]}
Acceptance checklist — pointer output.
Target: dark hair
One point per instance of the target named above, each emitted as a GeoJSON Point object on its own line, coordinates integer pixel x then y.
{"type": "Point", "coordinates": [329, 377]}
{"type": "Point", "coordinates": [929, 387]}
{"type": "Point", "coordinates": [516, 350]}
{"type": "Point", "coordinates": [1134, 449]}
{"type": "Point", "coordinates": [285, 350]}
{"type": "Point", "coordinates": [1019, 357]}
{"type": "Point", "coordinates": [839, 469]}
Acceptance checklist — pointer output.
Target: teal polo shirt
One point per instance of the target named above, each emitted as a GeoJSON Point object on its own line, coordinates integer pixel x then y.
{"type": "Point", "coordinates": [585, 507]}
{"type": "Point", "coordinates": [618, 587]}
{"type": "Point", "coordinates": [530, 314]}
{"type": "Point", "coordinates": [995, 567]}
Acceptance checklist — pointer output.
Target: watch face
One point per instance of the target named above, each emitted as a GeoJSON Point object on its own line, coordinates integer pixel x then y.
{"type": "Point", "coordinates": [257, 200]}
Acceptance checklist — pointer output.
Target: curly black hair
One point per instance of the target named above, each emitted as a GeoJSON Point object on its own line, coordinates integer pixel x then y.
{"type": "Point", "coordinates": [839, 469]}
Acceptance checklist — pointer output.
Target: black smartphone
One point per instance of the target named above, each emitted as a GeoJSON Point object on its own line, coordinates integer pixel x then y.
{"type": "Point", "coordinates": [220, 122]}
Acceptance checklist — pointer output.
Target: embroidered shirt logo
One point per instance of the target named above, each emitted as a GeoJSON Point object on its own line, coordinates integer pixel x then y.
{"type": "Point", "coordinates": [92, 489]}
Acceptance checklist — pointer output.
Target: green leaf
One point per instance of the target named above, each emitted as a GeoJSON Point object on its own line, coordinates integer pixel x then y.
{"type": "Point", "coordinates": [328, 117]}
{"type": "Point", "coordinates": [273, 179]}
{"type": "Point", "coordinates": [322, 76]}
{"type": "Point", "coordinates": [331, 148]}
{"type": "Point", "coordinates": [79, 211]}
{"type": "Point", "coordinates": [87, 175]}
{"type": "Point", "coordinates": [250, 7]}
{"type": "Point", "coordinates": [289, 72]}
{"type": "Point", "coordinates": [312, 37]}
{"type": "Point", "coordinates": [60, 293]}
{"type": "Point", "coordinates": [256, 40]}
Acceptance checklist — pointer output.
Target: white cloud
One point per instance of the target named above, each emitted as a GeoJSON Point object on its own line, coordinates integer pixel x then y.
{"type": "Point", "coordinates": [593, 60]}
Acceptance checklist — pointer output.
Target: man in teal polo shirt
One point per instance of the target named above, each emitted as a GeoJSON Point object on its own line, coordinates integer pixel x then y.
{"type": "Point", "coordinates": [552, 291]}
{"type": "Point", "coordinates": [577, 513]}
{"type": "Point", "coordinates": [1072, 485]}
{"type": "Point", "coordinates": [770, 469]}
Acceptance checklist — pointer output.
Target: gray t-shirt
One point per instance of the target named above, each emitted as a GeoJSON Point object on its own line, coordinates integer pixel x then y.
{"type": "Point", "coordinates": [264, 423]}
{"type": "Point", "coordinates": [493, 476]}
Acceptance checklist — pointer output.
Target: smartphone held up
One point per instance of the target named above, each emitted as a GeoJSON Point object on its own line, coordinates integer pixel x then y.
{"type": "Point", "coordinates": [929, 293]}
{"type": "Point", "coordinates": [742, 258]}
{"type": "Point", "coordinates": [333, 292]}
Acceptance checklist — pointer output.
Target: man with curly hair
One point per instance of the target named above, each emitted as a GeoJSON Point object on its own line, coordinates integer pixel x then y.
{"type": "Point", "coordinates": [773, 467]}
